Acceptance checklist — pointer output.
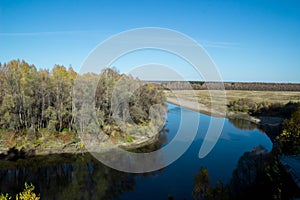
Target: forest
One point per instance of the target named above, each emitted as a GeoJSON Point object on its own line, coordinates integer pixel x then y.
{"type": "Point", "coordinates": [40, 101]}
{"type": "Point", "coordinates": [257, 86]}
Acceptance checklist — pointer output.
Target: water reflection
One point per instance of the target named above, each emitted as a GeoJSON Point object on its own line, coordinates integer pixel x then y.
{"type": "Point", "coordinates": [203, 189]}
{"type": "Point", "coordinates": [242, 124]}
{"type": "Point", "coordinates": [77, 177]}
{"type": "Point", "coordinates": [257, 176]}
{"type": "Point", "coordinates": [70, 176]}
{"type": "Point", "coordinates": [82, 177]}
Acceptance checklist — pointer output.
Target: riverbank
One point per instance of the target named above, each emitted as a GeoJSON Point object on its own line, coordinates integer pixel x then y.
{"type": "Point", "coordinates": [14, 153]}
{"type": "Point", "coordinates": [192, 105]}
{"type": "Point", "coordinates": [269, 124]}
{"type": "Point", "coordinates": [51, 145]}
{"type": "Point", "coordinates": [244, 116]}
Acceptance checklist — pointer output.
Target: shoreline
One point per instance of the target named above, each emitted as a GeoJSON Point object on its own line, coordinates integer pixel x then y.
{"type": "Point", "coordinates": [198, 107]}
{"type": "Point", "coordinates": [269, 124]}
{"type": "Point", "coordinates": [76, 148]}
{"type": "Point", "coordinates": [12, 153]}
{"type": "Point", "coordinates": [201, 108]}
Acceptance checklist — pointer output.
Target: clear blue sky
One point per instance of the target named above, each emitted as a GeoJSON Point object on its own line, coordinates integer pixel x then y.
{"type": "Point", "coordinates": [248, 40]}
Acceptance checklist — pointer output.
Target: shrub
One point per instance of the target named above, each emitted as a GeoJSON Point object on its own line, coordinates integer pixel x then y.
{"type": "Point", "coordinates": [27, 193]}
{"type": "Point", "coordinates": [4, 197]}
{"type": "Point", "coordinates": [289, 139]}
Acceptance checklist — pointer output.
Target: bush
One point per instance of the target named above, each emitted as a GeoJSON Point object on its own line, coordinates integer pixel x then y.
{"type": "Point", "coordinates": [27, 194]}
{"type": "Point", "coordinates": [289, 139]}
{"type": "Point", "coordinates": [4, 197]}
{"type": "Point", "coordinates": [243, 105]}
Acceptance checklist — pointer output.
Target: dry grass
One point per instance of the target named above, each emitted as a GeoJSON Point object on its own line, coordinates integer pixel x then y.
{"type": "Point", "coordinates": [205, 97]}
{"type": "Point", "coordinates": [264, 96]}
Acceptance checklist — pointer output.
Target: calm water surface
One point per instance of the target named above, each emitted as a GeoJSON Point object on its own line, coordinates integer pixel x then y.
{"type": "Point", "coordinates": [82, 177]}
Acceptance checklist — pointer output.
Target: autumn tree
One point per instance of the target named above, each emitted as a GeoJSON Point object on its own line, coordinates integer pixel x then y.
{"type": "Point", "coordinates": [37, 100]}
{"type": "Point", "coordinates": [289, 139]}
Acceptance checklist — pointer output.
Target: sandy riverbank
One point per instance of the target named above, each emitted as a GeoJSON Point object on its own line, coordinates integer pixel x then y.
{"type": "Point", "coordinates": [192, 105]}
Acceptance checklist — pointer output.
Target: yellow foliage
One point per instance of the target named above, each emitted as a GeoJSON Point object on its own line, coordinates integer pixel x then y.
{"type": "Point", "coordinates": [81, 145]}
{"type": "Point", "coordinates": [27, 193]}
{"type": "Point", "coordinates": [4, 197]}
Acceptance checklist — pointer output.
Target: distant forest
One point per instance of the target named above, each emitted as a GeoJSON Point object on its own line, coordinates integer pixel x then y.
{"type": "Point", "coordinates": [257, 86]}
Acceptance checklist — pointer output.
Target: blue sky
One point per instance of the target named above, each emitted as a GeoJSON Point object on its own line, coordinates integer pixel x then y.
{"type": "Point", "coordinates": [248, 40]}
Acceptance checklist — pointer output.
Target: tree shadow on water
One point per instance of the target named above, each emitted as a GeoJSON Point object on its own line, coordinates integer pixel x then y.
{"type": "Point", "coordinates": [258, 176]}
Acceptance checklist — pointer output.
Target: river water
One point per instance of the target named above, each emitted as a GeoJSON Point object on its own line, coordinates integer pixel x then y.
{"type": "Point", "coordinates": [83, 177]}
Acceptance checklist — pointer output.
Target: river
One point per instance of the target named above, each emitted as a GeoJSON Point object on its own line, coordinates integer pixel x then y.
{"type": "Point", "coordinates": [83, 177]}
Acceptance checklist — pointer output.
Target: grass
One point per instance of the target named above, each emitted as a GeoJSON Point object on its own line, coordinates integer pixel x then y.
{"type": "Point", "coordinates": [204, 96]}
{"type": "Point", "coordinates": [267, 96]}
{"type": "Point", "coordinates": [43, 139]}
{"type": "Point", "coordinates": [129, 138]}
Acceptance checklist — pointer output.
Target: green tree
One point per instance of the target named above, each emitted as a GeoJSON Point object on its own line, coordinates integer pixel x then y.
{"type": "Point", "coordinates": [63, 83]}
{"type": "Point", "coordinates": [18, 78]}
{"type": "Point", "coordinates": [44, 99]}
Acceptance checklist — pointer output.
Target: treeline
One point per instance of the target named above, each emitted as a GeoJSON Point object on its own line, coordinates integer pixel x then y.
{"type": "Point", "coordinates": [258, 86]}
{"type": "Point", "coordinates": [32, 99]}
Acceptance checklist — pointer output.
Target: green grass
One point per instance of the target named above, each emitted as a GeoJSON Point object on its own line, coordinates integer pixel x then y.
{"type": "Point", "coordinates": [129, 138]}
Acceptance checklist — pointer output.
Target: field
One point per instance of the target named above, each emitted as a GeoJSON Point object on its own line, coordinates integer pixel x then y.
{"type": "Point", "coordinates": [205, 100]}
